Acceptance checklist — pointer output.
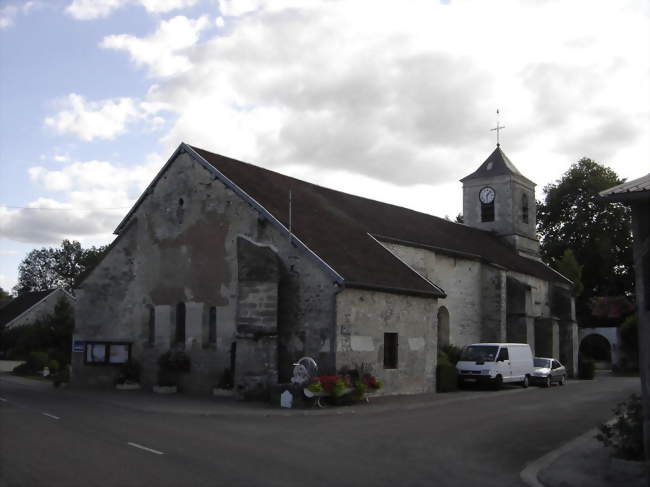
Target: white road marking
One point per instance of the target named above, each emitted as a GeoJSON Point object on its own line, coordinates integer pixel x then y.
{"type": "Point", "coordinates": [3, 399]}
{"type": "Point", "coordinates": [145, 448]}
{"type": "Point", "coordinates": [50, 415]}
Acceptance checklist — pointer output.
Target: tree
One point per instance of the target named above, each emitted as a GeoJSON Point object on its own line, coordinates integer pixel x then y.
{"type": "Point", "coordinates": [568, 266]}
{"type": "Point", "coordinates": [573, 216]}
{"type": "Point", "coordinates": [48, 268]}
{"type": "Point", "coordinates": [5, 297]}
{"type": "Point", "coordinates": [50, 334]}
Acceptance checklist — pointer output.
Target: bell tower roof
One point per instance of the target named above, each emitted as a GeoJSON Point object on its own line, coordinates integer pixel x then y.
{"type": "Point", "coordinates": [497, 164]}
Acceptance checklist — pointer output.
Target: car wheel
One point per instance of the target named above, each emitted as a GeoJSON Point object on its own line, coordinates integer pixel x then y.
{"type": "Point", "coordinates": [525, 382]}
{"type": "Point", "coordinates": [498, 383]}
{"type": "Point", "coordinates": [563, 380]}
{"type": "Point", "coordinates": [547, 381]}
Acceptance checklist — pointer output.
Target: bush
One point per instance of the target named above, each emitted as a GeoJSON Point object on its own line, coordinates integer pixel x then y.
{"type": "Point", "coordinates": [53, 366]}
{"type": "Point", "coordinates": [446, 378]}
{"type": "Point", "coordinates": [37, 360]}
{"type": "Point", "coordinates": [586, 369]}
{"type": "Point", "coordinates": [129, 373]}
{"type": "Point", "coordinates": [35, 363]}
{"type": "Point", "coordinates": [61, 376]}
{"type": "Point", "coordinates": [453, 353]}
{"type": "Point", "coordinates": [625, 435]}
{"type": "Point", "coordinates": [175, 361]}
{"type": "Point", "coordinates": [226, 380]}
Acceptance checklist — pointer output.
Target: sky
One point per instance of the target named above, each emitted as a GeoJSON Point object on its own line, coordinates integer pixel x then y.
{"type": "Point", "coordinates": [390, 100]}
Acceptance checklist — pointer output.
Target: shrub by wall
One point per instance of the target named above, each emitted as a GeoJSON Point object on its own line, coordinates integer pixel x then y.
{"type": "Point", "coordinates": [446, 380]}
{"type": "Point", "coordinates": [586, 369]}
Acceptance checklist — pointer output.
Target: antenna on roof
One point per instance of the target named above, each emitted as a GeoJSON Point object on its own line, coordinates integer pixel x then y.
{"type": "Point", "coordinates": [497, 128]}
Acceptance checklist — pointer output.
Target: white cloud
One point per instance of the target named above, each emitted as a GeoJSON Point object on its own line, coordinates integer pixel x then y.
{"type": "Point", "coordinates": [8, 13]}
{"type": "Point", "coordinates": [93, 9]}
{"type": "Point", "coordinates": [104, 119]}
{"type": "Point", "coordinates": [95, 197]}
{"type": "Point", "coordinates": [341, 92]}
{"type": "Point", "coordinates": [88, 120]}
{"type": "Point", "coordinates": [163, 51]}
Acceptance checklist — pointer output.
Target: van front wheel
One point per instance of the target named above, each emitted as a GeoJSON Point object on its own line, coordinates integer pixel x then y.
{"type": "Point", "coordinates": [525, 382]}
{"type": "Point", "coordinates": [498, 382]}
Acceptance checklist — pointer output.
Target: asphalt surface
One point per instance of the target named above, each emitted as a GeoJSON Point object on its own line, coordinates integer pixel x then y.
{"type": "Point", "coordinates": [57, 438]}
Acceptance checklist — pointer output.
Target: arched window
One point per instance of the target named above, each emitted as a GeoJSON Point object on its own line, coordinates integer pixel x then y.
{"type": "Point", "coordinates": [151, 326]}
{"type": "Point", "coordinates": [180, 323]}
{"type": "Point", "coordinates": [524, 208]}
{"type": "Point", "coordinates": [443, 327]}
{"type": "Point", "coordinates": [212, 325]}
{"type": "Point", "coordinates": [487, 212]}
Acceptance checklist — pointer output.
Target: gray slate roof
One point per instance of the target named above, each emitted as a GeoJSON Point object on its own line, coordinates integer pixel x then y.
{"type": "Point", "coordinates": [497, 164]}
{"type": "Point", "coordinates": [637, 188]}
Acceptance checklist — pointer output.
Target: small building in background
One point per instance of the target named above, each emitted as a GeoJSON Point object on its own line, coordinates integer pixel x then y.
{"type": "Point", "coordinates": [30, 307]}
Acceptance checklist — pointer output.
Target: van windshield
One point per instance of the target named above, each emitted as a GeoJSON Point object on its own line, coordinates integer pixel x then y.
{"type": "Point", "coordinates": [479, 353]}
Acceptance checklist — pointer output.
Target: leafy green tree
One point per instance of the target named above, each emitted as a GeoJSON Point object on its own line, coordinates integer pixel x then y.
{"type": "Point", "coordinates": [568, 266]}
{"type": "Point", "coordinates": [573, 216]}
{"type": "Point", "coordinates": [48, 268]}
{"type": "Point", "coordinates": [5, 297]}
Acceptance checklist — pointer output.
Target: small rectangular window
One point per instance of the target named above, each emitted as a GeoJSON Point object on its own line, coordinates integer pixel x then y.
{"type": "Point", "coordinates": [151, 327]}
{"type": "Point", "coordinates": [390, 350]}
{"type": "Point", "coordinates": [212, 325]}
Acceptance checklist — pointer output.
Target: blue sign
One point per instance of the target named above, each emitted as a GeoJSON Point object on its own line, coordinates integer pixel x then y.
{"type": "Point", "coordinates": [78, 346]}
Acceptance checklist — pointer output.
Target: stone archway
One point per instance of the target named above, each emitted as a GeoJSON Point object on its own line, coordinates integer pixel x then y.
{"type": "Point", "coordinates": [443, 327]}
{"type": "Point", "coordinates": [598, 348]}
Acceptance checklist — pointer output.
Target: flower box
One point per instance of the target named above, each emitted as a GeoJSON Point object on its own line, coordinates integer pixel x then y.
{"type": "Point", "coordinates": [216, 392]}
{"type": "Point", "coordinates": [165, 389]}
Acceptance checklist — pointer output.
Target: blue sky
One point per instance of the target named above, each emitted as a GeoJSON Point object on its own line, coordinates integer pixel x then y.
{"type": "Point", "coordinates": [390, 100]}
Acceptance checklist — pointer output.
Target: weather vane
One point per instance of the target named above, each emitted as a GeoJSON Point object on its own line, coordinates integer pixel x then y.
{"type": "Point", "coordinates": [498, 128]}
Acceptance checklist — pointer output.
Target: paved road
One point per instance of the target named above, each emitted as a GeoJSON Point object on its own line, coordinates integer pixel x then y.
{"type": "Point", "coordinates": [482, 438]}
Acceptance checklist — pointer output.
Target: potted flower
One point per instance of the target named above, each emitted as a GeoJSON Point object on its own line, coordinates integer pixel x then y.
{"type": "Point", "coordinates": [224, 385]}
{"type": "Point", "coordinates": [170, 365]}
{"type": "Point", "coordinates": [128, 378]}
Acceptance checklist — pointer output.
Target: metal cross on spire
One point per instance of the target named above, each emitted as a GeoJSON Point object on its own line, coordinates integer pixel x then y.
{"type": "Point", "coordinates": [497, 128]}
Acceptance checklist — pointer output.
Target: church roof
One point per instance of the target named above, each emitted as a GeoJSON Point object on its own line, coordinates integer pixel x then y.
{"type": "Point", "coordinates": [345, 231]}
{"type": "Point", "coordinates": [497, 164]}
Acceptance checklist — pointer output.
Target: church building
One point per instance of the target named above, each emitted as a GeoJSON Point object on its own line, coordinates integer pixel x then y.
{"type": "Point", "coordinates": [247, 269]}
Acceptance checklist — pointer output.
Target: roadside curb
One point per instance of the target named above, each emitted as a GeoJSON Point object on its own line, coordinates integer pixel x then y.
{"type": "Point", "coordinates": [530, 474]}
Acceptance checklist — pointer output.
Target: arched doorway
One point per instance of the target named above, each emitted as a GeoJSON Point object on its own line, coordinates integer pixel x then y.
{"type": "Point", "coordinates": [597, 348]}
{"type": "Point", "coordinates": [443, 327]}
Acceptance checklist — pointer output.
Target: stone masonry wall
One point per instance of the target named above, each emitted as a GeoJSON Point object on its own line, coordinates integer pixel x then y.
{"type": "Point", "coordinates": [362, 319]}
{"type": "Point", "coordinates": [180, 246]}
{"type": "Point", "coordinates": [459, 278]}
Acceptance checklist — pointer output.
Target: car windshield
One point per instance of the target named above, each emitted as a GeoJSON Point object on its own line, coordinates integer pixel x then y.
{"type": "Point", "coordinates": [479, 353]}
{"type": "Point", "coordinates": [542, 362]}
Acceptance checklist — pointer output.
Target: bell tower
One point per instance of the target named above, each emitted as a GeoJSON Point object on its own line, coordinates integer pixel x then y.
{"type": "Point", "coordinates": [498, 198]}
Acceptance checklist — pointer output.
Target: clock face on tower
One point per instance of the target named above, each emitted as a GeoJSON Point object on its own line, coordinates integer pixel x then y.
{"type": "Point", "coordinates": [486, 195]}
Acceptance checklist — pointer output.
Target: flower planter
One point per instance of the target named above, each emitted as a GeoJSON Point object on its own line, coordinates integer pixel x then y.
{"type": "Point", "coordinates": [165, 389]}
{"type": "Point", "coordinates": [216, 392]}
{"type": "Point", "coordinates": [128, 386]}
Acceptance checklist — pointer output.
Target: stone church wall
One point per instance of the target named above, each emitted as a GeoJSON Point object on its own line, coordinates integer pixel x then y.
{"type": "Point", "coordinates": [364, 317]}
{"type": "Point", "coordinates": [460, 278]}
{"type": "Point", "coordinates": [180, 246]}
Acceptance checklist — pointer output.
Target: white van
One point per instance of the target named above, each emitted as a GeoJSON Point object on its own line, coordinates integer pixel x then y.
{"type": "Point", "coordinates": [495, 363]}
